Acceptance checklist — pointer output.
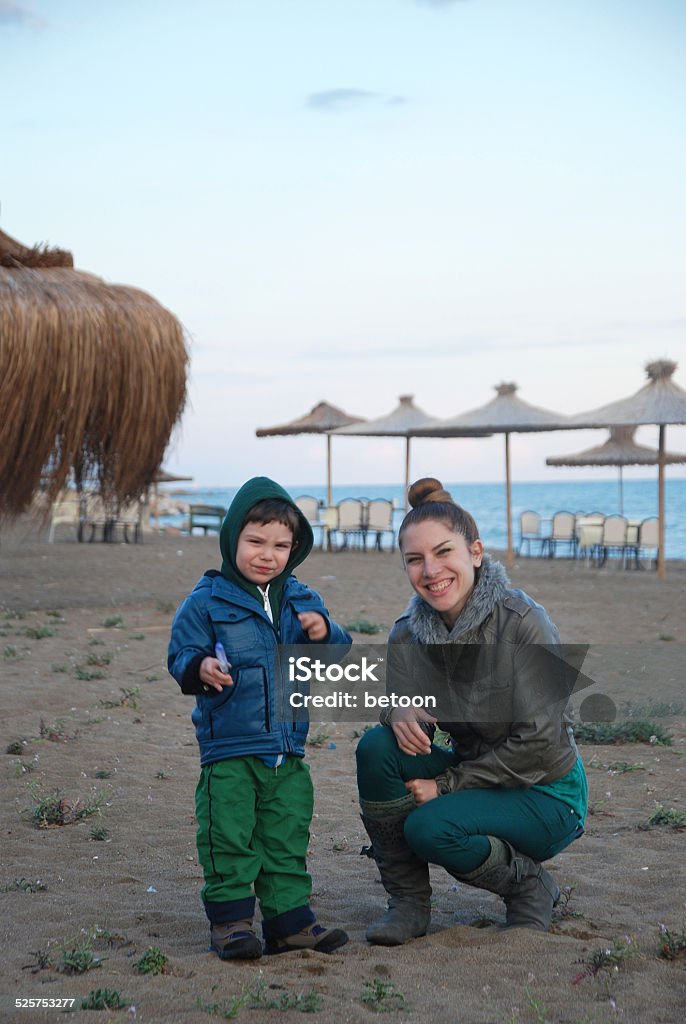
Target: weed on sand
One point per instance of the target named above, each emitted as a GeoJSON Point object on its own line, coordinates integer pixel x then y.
{"type": "Point", "coordinates": [630, 731]}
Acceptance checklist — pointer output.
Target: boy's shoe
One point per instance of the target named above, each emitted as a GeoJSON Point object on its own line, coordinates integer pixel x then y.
{"type": "Point", "coordinates": [235, 940]}
{"type": "Point", "coordinates": [316, 937]}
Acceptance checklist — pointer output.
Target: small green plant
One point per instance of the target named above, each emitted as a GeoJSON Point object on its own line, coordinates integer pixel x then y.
{"type": "Point", "coordinates": [78, 957]}
{"type": "Point", "coordinates": [10, 651]}
{"type": "Point", "coordinates": [103, 773]}
{"type": "Point", "coordinates": [318, 740]}
{"type": "Point", "coordinates": [98, 834]}
{"type": "Point", "coordinates": [661, 818]}
{"type": "Point", "coordinates": [13, 613]}
{"type": "Point", "coordinates": [96, 642]}
{"type": "Point", "coordinates": [128, 698]}
{"type": "Point", "coordinates": [56, 732]}
{"type": "Point", "coordinates": [153, 961]}
{"type": "Point", "coordinates": [58, 667]}
{"type": "Point", "coordinates": [99, 659]}
{"type": "Point", "coordinates": [161, 774]}
{"type": "Point", "coordinates": [54, 613]}
{"type": "Point", "coordinates": [257, 997]}
{"type": "Point", "coordinates": [137, 636]}
{"type": "Point", "coordinates": [652, 708]}
{"type": "Point", "coordinates": [360, 732]}
{"type": "Point", "coordinates": [622, 767]}
{"type": "Point", "coordinates": [383, 997]}
{"type": "Point", "coordinates": [47, 809]}
{"type": "Point", "coordinates": [23, 768]}
{"type": "Point", "coordinates": [152, 678]}
{"type": "Point", "coordinates": [25, 885]}
{"type": "Point", "coordinates": [608, 958]}
{"type": "Point", "coordinates": [87, 674]}
{"type": "Point", "coordinates": [365, 627]}
{"type": "Point", "coordinates": [672, 945]}
{"type": "Point", "coordinates": [563, 910]}
{"type": "Point", "coordinates": [38, 632]}
{"type": "Point", "coordinates": [15, 747]}
{"type": "Point", "coordinates": [113, 621]}
{"type": "Point", "coordinates": [104, 999]}
{"type": "Point", "coordinates": [632, 731]}
{"type": "Point", "coordinates": [666, 636]}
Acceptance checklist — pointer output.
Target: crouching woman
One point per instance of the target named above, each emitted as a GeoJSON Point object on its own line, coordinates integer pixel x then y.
{"type": "Point", "coordinates": [507, 794]}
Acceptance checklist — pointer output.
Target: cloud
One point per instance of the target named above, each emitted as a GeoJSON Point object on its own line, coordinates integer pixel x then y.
{"type": "Point", "coordinates": [348, 99]}
{"type": "Point", "coordinates": [439, 3]}
{"type": "Point", "coordinates": [12, 13]}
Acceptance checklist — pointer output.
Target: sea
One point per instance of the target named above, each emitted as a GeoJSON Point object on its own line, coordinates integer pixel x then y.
{"type": "Point", "coordinates": [486, 502]}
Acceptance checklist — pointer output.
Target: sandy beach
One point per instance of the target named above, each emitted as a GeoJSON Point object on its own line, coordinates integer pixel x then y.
{"type": "Point", "coordinates": [90, 711]}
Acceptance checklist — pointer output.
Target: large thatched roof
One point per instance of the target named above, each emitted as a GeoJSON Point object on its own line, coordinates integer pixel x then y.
{"type": "Point", "coordinates": [92, 379]}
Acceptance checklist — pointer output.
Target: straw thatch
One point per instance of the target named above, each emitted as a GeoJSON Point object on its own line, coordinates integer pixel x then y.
{"type": "Point", "coordinates": [506, 413]}
{"type": "Point", "coordinates": [92, 380]}
{"type": "Point", "coordinates": [620, 449]}
{"type": "Point", "coordinates": [322, 418]}
{"type": "Point", "coordinates": [397, 423]}
{"type": "Point", "coordinates": [660, 401]}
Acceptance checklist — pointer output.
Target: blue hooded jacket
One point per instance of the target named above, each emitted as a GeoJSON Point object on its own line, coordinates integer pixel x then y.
{"type": "Point", "coordinates": [251, 717]}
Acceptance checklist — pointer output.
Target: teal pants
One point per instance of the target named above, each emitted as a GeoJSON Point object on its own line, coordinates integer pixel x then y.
{"type": "Point", "coordinates": [452, 830]}
{"type": "Point", "coordinates": [253, 832]}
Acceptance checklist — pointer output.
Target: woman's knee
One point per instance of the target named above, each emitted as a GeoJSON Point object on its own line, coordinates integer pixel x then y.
{"type": "Point", "coordinates": [376, 746]}
{"type": "Point", "coordinates": [430, 836]}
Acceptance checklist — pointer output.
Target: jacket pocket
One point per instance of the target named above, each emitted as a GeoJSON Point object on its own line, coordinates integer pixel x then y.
{"type": "Point", "coordinates": [235, 627]}
{"type": "Point", "coordinates": [242, 709]}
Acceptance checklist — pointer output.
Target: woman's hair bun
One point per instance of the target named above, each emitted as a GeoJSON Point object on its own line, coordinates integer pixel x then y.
{"type": "Point", "coordinates": [428, 489]}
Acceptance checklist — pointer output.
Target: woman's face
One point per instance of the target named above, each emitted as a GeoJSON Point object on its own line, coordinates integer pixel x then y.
{"type": "Point", "coordinates": [440, 566]}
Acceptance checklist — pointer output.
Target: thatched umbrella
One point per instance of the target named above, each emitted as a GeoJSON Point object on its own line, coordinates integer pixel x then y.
{"type": "Point", "coordinates": [92, 379]}
{"type": "Point", "coordinates": [319, 420]}
{"type": "Point", "coordinates": [620, 450]}
{"type": "Point", "coordinates": [505, 414]}
{"type": "Point", "coordinates": [660, 402]}
{"type": "Point", "coordinates": [397, 423]}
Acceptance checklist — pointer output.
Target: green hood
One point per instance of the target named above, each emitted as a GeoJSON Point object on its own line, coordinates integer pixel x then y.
{"type": "Point", "coordinates": [258, 489]}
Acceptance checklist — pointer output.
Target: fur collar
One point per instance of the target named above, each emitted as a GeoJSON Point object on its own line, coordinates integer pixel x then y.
{"type": "Point", "coordinates": [427, 626]}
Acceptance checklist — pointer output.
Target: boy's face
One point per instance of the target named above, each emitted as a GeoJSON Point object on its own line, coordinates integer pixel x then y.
{"type": "Point", "coordinates": [263, 551]}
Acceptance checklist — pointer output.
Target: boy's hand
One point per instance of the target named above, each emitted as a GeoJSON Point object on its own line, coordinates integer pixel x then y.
{"type": "Point", "coordinates": [211, 674]}
{"type": "Point", "coordinates": [314, 625]}
{"type": "Point", "coordinates": [422, 790]}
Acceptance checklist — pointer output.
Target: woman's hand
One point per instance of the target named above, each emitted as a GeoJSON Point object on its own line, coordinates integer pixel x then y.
{"type": "Point", "coordinates": [408, 733]}
{"type": "Point", "coordinates": [211, 674]}
{"type": "Point", "coordinates": [422, 790]}
{"type": "Point", "coordinates": [314, 625]}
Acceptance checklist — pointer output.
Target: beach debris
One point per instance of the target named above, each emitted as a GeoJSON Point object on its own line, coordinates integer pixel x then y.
{"type": "Point", "coordinates": [151, 888]}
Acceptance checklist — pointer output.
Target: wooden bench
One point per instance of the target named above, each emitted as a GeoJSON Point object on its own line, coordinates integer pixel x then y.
{"type": "Point", "coordinates": [205, 517]}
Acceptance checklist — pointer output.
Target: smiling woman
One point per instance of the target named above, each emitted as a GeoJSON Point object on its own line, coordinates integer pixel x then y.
{"type": "Point", "coordinates": [511, 792]}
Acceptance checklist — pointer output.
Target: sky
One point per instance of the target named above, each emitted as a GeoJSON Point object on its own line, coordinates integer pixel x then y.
{"type": "Point", "coordinates": [350, 200]}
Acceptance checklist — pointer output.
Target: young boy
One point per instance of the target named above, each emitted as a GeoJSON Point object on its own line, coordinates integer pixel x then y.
{"type": "Point", "coordinates": [254, 797]}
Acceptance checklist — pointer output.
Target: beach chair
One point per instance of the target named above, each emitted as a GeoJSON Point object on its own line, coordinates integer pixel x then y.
{"type": "Point", "coordinates": [531, 532]}
{"type": "Point", "coordinates": [646, 543]}
{"type": "Point", "coordinates": [588, 528]}
{"type": "Point", "coordinates": [310, 508]}
{"type": "Point", "coordinates": [562, 532]}
{"type": "Point", "coordinates": [351, 522]}
{"type": "Point", "coordinates": [379, 520]}
{"type": "Point", "coordinates": [614, 538]}
{"type": "Point", "coordinates": [205, 517]}
{"type": "Point", "coordinates": [64, 511]}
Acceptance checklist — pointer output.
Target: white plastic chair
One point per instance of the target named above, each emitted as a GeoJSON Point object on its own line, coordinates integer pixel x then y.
{"type": "Point", "coordinates": [530, 532]}
{"type": "Point", "coordinates": [563, 531]}
{"type": "Point", "coordinates": [614, 537]}
{"type": "Point", "coordinates": [351, 519]}
{"type": "Point", "coordinates": [379, 520]}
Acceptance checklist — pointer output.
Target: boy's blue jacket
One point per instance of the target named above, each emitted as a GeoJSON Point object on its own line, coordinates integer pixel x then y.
{"type": "Point", "coordinates": [244, 719]}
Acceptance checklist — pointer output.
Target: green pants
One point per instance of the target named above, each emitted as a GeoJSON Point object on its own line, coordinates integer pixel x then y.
{"type": "Point", "coordinates": [451, 830]}
{"type": "Point", "coordinates": [253, 832]}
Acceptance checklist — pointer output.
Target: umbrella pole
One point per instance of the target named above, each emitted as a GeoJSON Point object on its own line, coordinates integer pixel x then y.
{"type": "Point", "coordinates": [661, 505]}
{"type": "Point", "coordinates": [621, 492]}
{"type": "Point", "coordinates": [407, 472]}
{"type": "Point", "coordinates": [329, 501]}
{"type": "Point", "coordinates": [508, 501]}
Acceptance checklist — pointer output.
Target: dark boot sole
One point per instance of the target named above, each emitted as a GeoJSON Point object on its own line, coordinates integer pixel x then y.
{"type": "Point", "coordinates": [334, 940]}
{"type": "Point", "coordinates": [241, 949]}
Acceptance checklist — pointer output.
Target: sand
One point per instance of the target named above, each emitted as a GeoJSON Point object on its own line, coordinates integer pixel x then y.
{"type": "Point", "coordinates": [137, 761]}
